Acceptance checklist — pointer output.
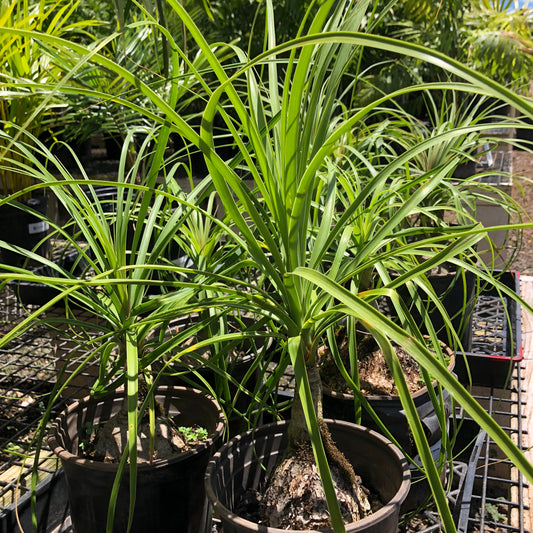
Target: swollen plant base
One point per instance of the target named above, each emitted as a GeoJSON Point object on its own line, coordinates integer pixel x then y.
{"type": "Point", "coordinates": [294, 498]}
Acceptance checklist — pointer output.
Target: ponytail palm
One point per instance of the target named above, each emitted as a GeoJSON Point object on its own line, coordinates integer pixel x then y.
{"type": "Point", "coordinates": [309, 199]}
{"type": "Point", "coordinates": [289, 222]}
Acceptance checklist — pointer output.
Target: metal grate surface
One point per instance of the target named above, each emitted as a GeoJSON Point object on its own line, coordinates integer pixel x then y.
{"type": "Point", "coordinates": [29, 369]}
{"type": "Point", "coordinates": [493, 502]}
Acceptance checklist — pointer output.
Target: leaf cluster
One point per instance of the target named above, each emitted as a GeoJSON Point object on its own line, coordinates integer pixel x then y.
{"type": "Point", "coordinates": [321, 206]}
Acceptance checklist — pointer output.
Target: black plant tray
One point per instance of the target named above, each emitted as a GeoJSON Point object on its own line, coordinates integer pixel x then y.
{"type": "Point", "coordinates": [496, 339]}
{"type": "Point", "coordinates": [494, 496]}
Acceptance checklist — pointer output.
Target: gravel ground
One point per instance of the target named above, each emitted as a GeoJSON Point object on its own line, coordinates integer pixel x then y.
{"type": "Point", "coordinates": [522, 191]}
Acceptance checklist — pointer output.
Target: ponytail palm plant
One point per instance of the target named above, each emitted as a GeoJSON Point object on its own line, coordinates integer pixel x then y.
{"type": "Point", "coordinates": [130, 287]}
{"type": "Point", "coordinates": [288, 134]}
{"type": "Point", "coordinates": [290, 223]}
{"type": "Point", "coordinates": [297, 216]}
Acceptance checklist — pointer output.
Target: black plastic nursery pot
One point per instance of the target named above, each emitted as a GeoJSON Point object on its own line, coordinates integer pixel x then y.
{"type": "Point", "coordinates": [23, 229]}
{"type": "Point", "coordinates": [497, 345]}
{"type": "Point", "coordinates": [340, 405]}
{"type": "Point", "coordinates": [525, 133]}
{"type": "Point", "coordinates": [244, 463]}
{"type": "Point", "coordinates": [389, 409]}
{"type": "Point", "coordinates": [170, 493]}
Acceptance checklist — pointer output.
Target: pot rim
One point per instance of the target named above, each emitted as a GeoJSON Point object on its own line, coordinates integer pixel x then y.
{"type": "Point", "coordinates": [396, 501]}
{"type": "Point", "coordinates": [65, 455]}
{"type": "Point", "coordinates": [387, 397]}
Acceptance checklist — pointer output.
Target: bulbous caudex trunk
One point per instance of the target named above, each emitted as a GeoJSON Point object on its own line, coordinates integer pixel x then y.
{"type": "Point", "coordinates": [295, 497]}
{"type": "Point", "coordinates": [298, 431]}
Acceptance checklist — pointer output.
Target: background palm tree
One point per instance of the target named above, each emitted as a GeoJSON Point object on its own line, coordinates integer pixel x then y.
{"type": "Point", "coordinates": [498, 41]}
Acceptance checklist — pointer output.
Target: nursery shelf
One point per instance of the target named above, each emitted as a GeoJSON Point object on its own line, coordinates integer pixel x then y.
{"type": "Point", "coordinates": [489, 498]}
{"type": "Point", "coordinates": [493, 497]}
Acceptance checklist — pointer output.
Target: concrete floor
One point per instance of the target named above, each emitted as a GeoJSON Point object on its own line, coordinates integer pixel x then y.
{"type": "Point", "coordinates": [527, 344]}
